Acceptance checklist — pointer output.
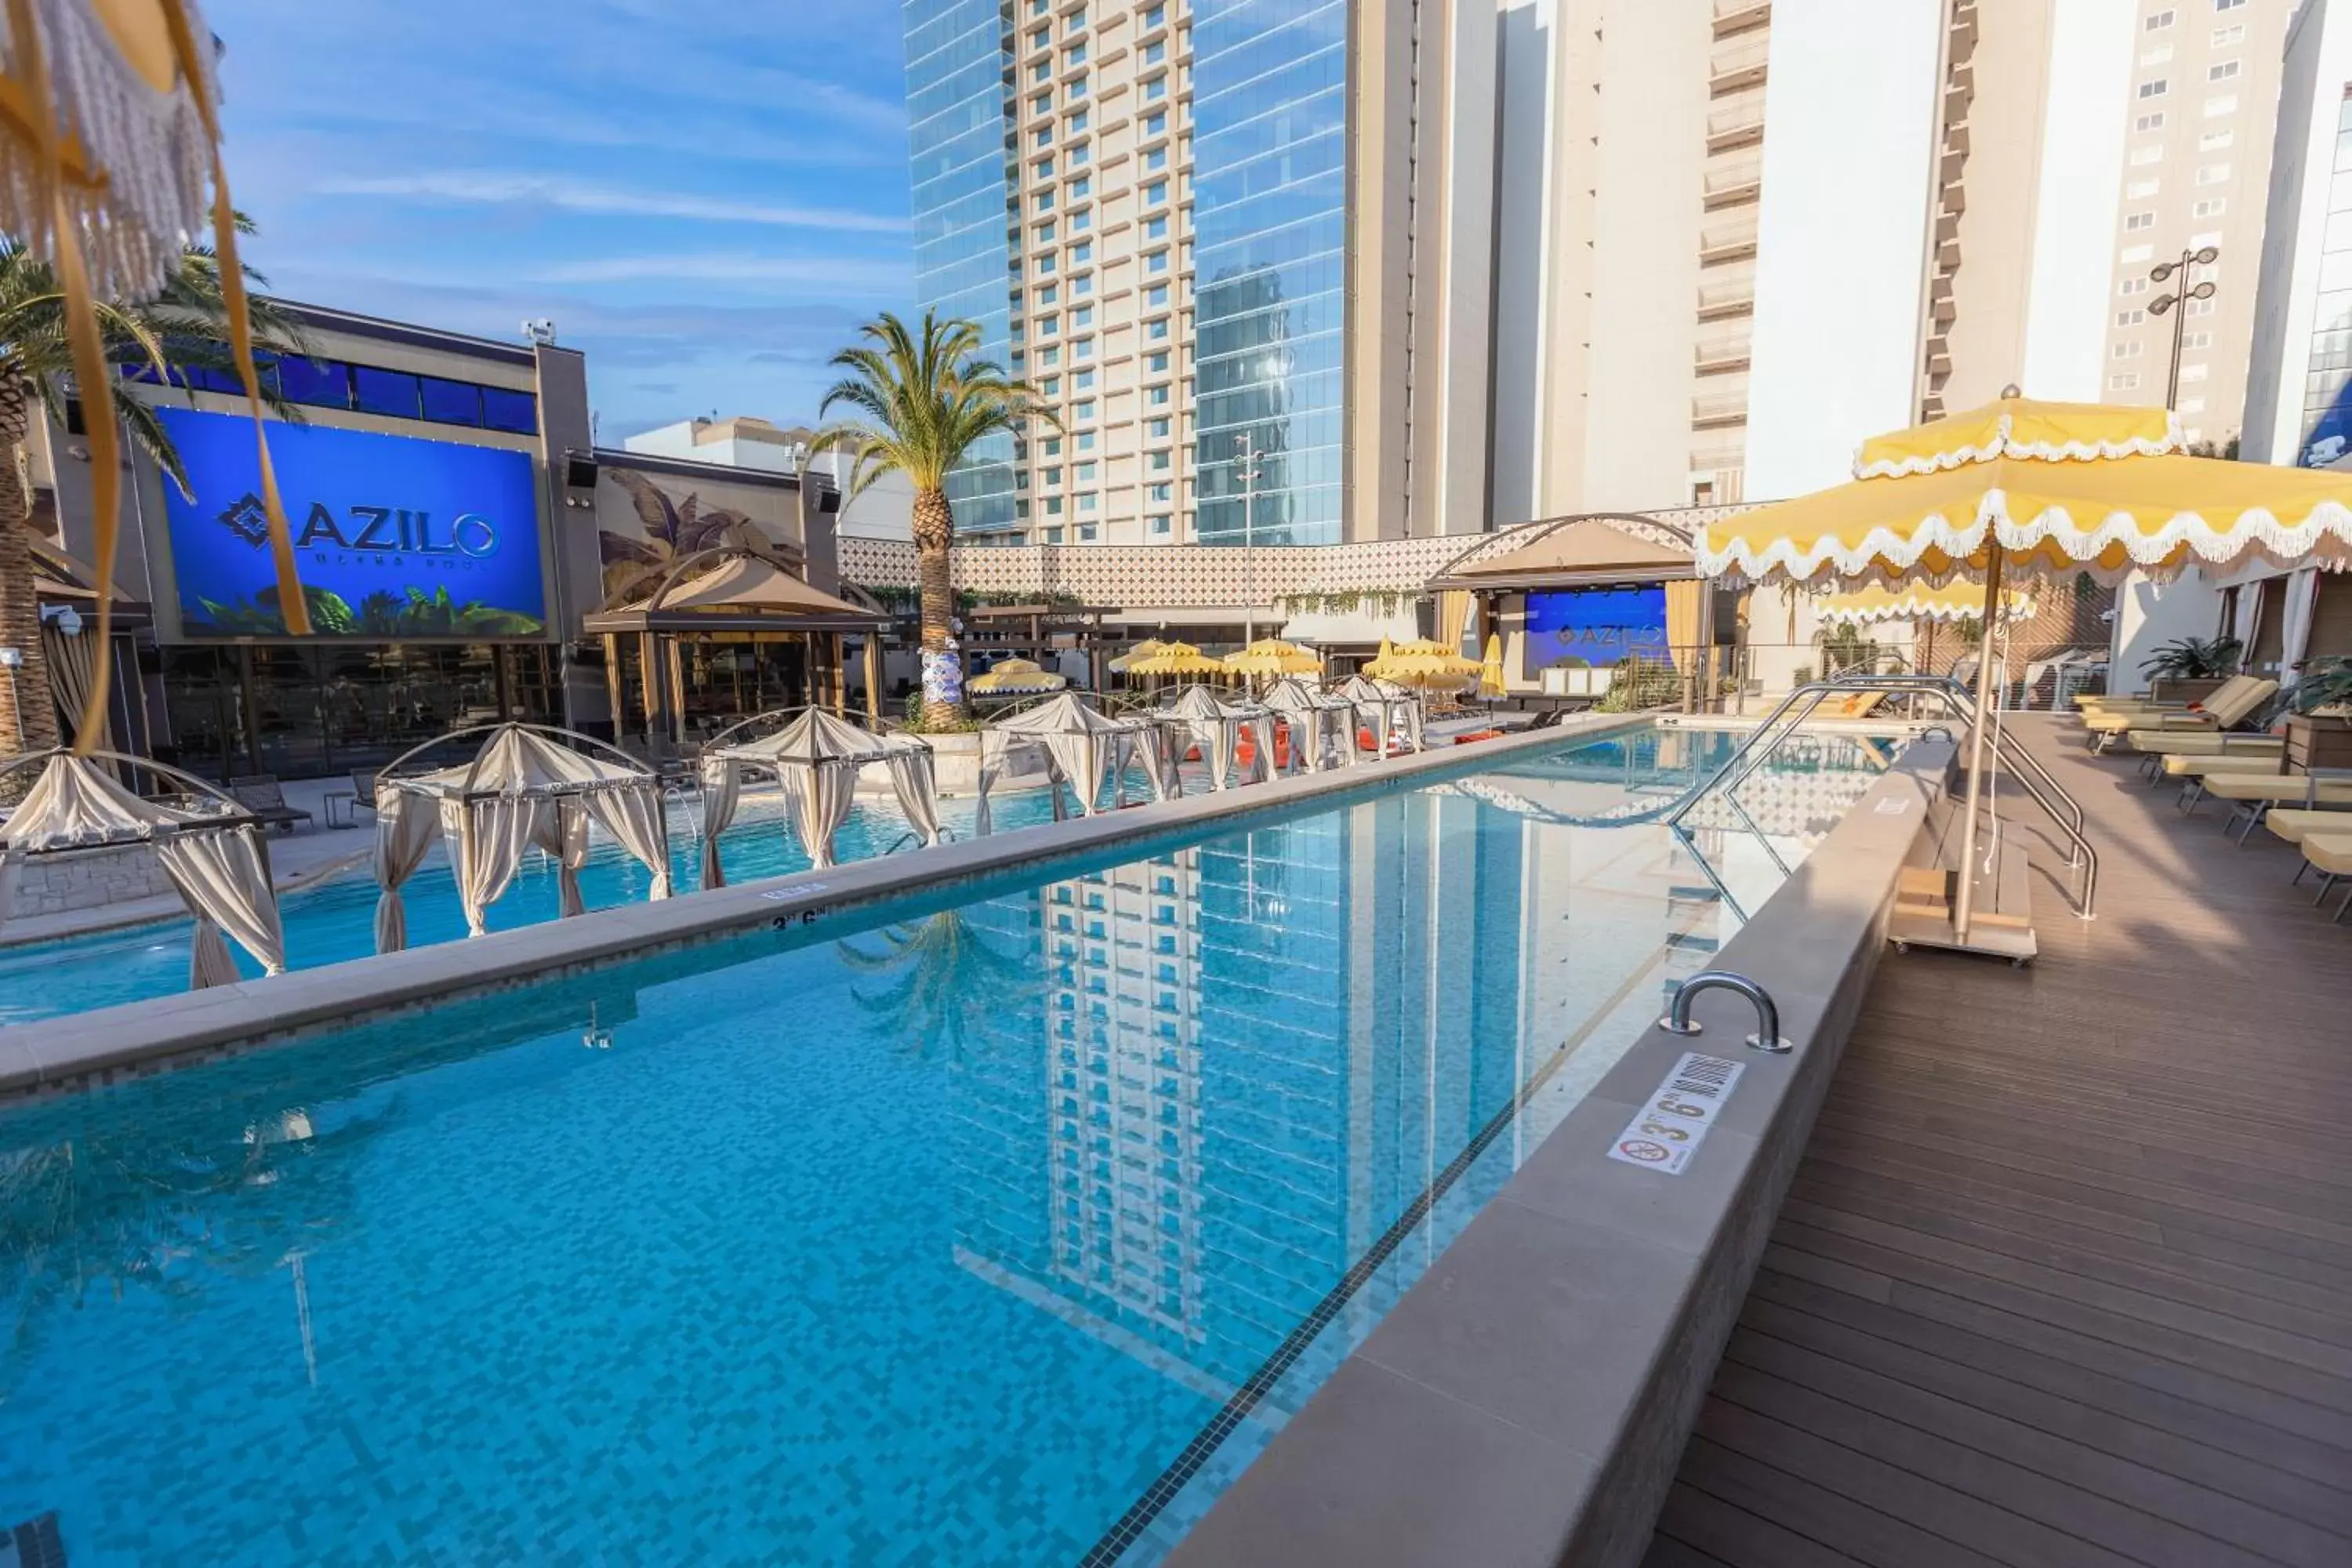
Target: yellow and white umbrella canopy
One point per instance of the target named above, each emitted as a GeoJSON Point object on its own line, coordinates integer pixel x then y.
{"type": "Point", "coordinates": [1425, 666]}
{"type": "Point", "coordinates": [1272, 656]}
{"type": "Point", "coordinates": [2052, 488]}
{"type": "Point", "coordinates": [1141, 651]}
{"type": "Point", "coordinates": [2025, 489]}
{"type": "Point", "coordinates": [1177, 659]}
{"type": "Point", "coordinates": [1015, 678]}
{"type": "Point", "coordinates": [1953, 602]}
{"type": "Point", "coordinates": [1490, 669]}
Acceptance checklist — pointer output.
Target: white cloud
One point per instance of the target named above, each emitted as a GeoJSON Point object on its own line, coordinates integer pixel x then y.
{"type": "Point", "coordinates": [862, 276]}
{"type": "Point", "coordinates": [487, 188]}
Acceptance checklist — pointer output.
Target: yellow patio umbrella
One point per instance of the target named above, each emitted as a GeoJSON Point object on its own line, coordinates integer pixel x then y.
{"type": "Point", "coordinates": [1015, 678]}
{"type": "Point", "coordinates": [1272, 656]}
{"type": "Point", "coordinates": [110, 140]}
{"type": "Point", "coordinates": [2020, 488]}
{"type": "Point", "coordinates": [1425, 666]}
{"type": "Point", "coordinates": [1490, 672]}
{"type": "Point", "coordinates": [1177, 659]}
{"type": "Point", "coordinates": [1123, 664]}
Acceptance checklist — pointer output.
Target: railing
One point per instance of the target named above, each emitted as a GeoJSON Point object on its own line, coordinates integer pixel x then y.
{"type": "Point", "coordinates": [1795, 710]}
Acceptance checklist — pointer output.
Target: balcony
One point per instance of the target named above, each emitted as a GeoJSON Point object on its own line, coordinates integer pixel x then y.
{"type": "Point", "coordinates": [1720, 357]}
{"type": "Point", "coordinates": [1717, 247]}
{"type": "Point", "coordinates": [1741, 16]}
{"type": "Point", "coordinates": [1947, 254]}
{"type": "Point", "coordinates": [1735, 125]}
{"type": "Point", "coordinates": [1734, 186]}
{"type": "Point", "coordinates": [1947, 225]}
{"type": "Point", "coordinates": [1718, 410]}
{"type": "Point", "coordinates": [1736, 70]}
{"type": "Point", "coordinates": [1720, 460]}
{"type": "Point", "coordinates": [1727, 301]}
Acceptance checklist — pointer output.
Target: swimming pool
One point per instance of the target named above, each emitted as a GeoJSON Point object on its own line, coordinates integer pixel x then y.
{"type": "Point", "coordinates": [1004, 1230]}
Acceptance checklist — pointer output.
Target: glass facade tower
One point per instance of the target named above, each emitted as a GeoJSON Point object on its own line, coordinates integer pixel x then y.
{"type": "Point", "coordinates": [1270, 238]}
{"type": "Point", "coordinates": [956, 114]}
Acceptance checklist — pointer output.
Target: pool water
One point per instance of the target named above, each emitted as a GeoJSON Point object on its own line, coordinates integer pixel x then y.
{"type": "Point", "coordinates": [938, 1237]}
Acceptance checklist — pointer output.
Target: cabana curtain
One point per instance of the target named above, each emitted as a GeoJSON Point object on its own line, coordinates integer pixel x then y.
{"type": "Point", "coordinates": [1317, 721]}
{"type": "Point", "coordinates": [2300, 602]}
{"type": "Point", "coordinates": [1215, 726]}
{"type": "Point", "coordinates": [1082, 748]}
{"type": "Point", "coordinates": [1389, 710]}
{"type": "Point", "coordinates": [216, 864]}
{"type": "Point", "coordinates": [405, 825]}
{"type": "Point", "coordinates": [816, 759]}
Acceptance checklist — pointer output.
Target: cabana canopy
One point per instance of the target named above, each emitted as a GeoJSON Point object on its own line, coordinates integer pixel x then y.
{"type": "Point", "coordinates": [527, 788]}
{"type": "Point", "coordinates": [1077, 746]}
{"type": "Point", "coordinates": [733, 589]}
{"type": "Point", "coordinates": [214, 857]}
{"type": "Point", "coordinates": [1207, 720]}
{"type": "Point", "coordinates": [1317, 721]}
{"type": "Point", "coordinates": [1389, 710]}
{"type": "Point", "coordinates": [816, 759]}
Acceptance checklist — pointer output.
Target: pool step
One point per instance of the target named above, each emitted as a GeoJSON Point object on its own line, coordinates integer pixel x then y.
{"type": "Point", "coordinates": [36, 1543]}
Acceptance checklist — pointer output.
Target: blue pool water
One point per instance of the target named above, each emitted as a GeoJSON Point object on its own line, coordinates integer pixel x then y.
{"type": "Point", "coordinates": [935, 1240]}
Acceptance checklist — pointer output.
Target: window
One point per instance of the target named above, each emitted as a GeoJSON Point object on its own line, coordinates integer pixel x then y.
{"type": "Point", "coordinates": [2148, 156]}
{"type": "Point", "coordinates": [1049, 355]}
{"type": "Point", "coordinates": [2221, 71]}
{"type": "Point", "coordinates": [1152, 53]}
{"type": "Point", "coordinates": [1044, 234]}
{"type": "Point", "coordinates": [1157, 397]}
{"type": "Point", "coordinates": [2155, 88]}
{"type": "Point", "coordinates": [1159, 462]}
{"type": "Point", "coordinates": [1082, 253]}
{"type": "Point", "coordinates": [513, 411]}
{"type": "Point", "coordinates": [1083, 285]}
{"type": "Point", "coordinates": [1156, 159]}
{"type": "Point", "coordinates": [2203, 307]}
{"type": "Point", "coordinates": [2197, 340]}
{"type": "Point", "coordinates": [2127, 351]}
{"type": "Point", "coordinates": [1053, 446]}
{"type": "Point", "coordinates": [2135, 222]}
{"type": "Point", "coordinates": [1051, 387]}
{"type": "Point", "coordinates": [1077, 126]}
{"type": "Point", "coordinates": [1081, 316]}
{"type": "Point", "coordinates": [1043, 169]}
{"type": "Point", "coordinates": [2158, 21]}
{"type": "Point", "coordinates": [2214, 141]}
{"type": "Point", "coordinates": [2131, 286]}
{"type": "Point", "coordinates": [1155, 89]}
{"type": "Point", "coordinates": [2190, 405]}
{"type": "Point", "coordinates": [1156, 329]}
{"type": "Point", "coordinates": [1047, 294]}
{"type": "Point", "coordinates": [1083, 349]}
{"type": "Point", "coordinates": [1084, 472]}
{"type": "Point", "coordinates": [1045, 136]}
{"type": "Point", "coordinates": [1156, 227]}
{"type": "Point", "coordinates": [1082, 188]}
{"type": "Point", "coordinates": [1048, 325]}
{"type": "Point", "coordinates": [1045, 200]}
{"type": "Point", "coordinates": [2213, 206]}
{"type": "Point", "coordinates": [1084, 409]}
{"type": "Point", "coordinates": [1154, 16]}
{"type": "Point", "coordinates": [1049, 477]}
{"type": "Point", "coordinates": [1053, 509]}
{"type": "Point", "coordinates": [1087, 532]}
{"type": "Point", "coordinates": [1081, 221]}
{"type": "Point", "coordinates": [1155, 192]}
{"type": "Point", "coordinates": [1075, 54]}
{"type": "Point", "coordinates": [1080, 154]}
{"type": "Point", "coordinates": [2229, 37]}
{"type": "Point", "coordinates": [1077, 89]}
{"type": "Point", "coordinates": [1042, 104]}
{"type": "Point", "coordinates": [2227, 5]}
{"type": "Point", "coordinates": [1041, 70]}
{"type": "Point", "coordinates": [2190, 373]}
{"type": "Point", "coordinates": [2147, 123]}
{"type": "Point", "coordinates": [2213, 174]}
{"type": "Point", "coordinates": [1156, 295]}
{"type": "Point", "coordinates": [1155, 124]}
{"type": "Point", "coordinates": [2156, 55]}
{"type": "Point", "coordinates": [1045, 263]}
{"type": "Point", "coordinates": [1159, 525]}
{"type": "Point", "coordinates": [2123, 383]}
{"type": "Point", "coordinates": [1081, 381]}
{"type": "Point", "coordinates": [2130, 317]}
{"type": "Point", "coordinates": [386, 392]}
{"type": "Point", "coordinates": [1087, 501]}
{"type": "Point", "coordinates": [1156, 363]}
{"type": "Point", "coordinates": [1156, 262]}
{"type": "Point", "coordinates": [2217, 107]}
{"type": "Point", "coordinates": [1041, 38]}
{"type": "Point", "coordinates": [1156, 492]}
{"type": "Point", "coordinates": [2140, 189]}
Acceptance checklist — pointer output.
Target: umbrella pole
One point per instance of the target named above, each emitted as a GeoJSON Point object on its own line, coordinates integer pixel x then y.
{"type": "Point", "coordinates": [1964, 910]}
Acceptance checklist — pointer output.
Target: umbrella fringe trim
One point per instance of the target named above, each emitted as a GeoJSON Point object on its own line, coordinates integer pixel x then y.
{"type": "Point", "coordinates": [2003, 445]}
{"type": "Point", "coordinates": [1883, 555]}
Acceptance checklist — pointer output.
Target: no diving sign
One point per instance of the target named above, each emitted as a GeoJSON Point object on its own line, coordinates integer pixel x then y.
{"type": "Point", "coordinates": [1674, 1124]}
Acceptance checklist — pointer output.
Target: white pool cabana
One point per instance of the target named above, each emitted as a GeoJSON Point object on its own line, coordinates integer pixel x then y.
{"type": "Point", "coordinates": [1079, 746]}
{"type": "Point", "coordinates": [1318, 721]}
{"type": "Point", "coordinates": [530, 787]}
{"type": "Point", "coordinates": [212, 850]}
{"type": "Point", "coordinates": [1390, 710]}
{"type": "Point", "coordinates": [815, 760]}
{"type": "Point", "coordinates": [1202, 718]}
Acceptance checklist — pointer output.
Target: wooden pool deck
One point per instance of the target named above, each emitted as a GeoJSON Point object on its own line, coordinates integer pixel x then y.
{"type": "Point", "coordinates": [2065, 1277]}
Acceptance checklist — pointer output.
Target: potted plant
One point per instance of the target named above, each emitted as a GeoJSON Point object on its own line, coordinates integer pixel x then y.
{"type": "Point", "coordinates": [2189, 669]}
{"type": "Point", "coordinates": [2324, 693]}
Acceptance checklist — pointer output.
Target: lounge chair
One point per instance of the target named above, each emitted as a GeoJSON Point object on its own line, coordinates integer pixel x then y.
{"type": "Point", "coordinates": [261, 794]}
{"type": "Point", "coordinates": [2157, 748]}
{"type": "Point", "coordinates": [2295, 822]}
{"type": "Point", "coordinates": [2330, 854]}
{"type": "Point", "coordinates": [2253, 795]}
{"type": "Point", "coordinates": [364, 790]}
{"type": "Point", "coordinates": [2237, 701]}
{"type": "Point", "coordinates": [2089, 706]}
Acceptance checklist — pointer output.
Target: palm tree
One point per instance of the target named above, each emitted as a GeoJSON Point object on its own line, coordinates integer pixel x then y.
{"type": "Point", "coordinates": [184, 327]}
{"type": "Point", "coordinates": [925, 400]}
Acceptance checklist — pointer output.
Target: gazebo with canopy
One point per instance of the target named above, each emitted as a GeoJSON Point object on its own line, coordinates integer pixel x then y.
{"type": "Point", "coordinates": [213, 853]}
{"type": "Point", "coordinates": [1389, 710]}
{"type": "Point", "coordinates": [816, 760]}
{"type": "Point", "coordinates": [2020, 489]}
{"type": "Point", "coordinates": [1205, 720]}
{"type": "Point", "coordinates": [1317, 721]}
{"type": "Point", "coordinates": [529, 787]}
{"type": "Point", "coordinates": [1076, 746]}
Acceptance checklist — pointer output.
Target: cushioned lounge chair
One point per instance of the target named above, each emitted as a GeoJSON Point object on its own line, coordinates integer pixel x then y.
{"type": "Point", "coordinates": [2254, 794]}
{"type": "Point", "coordinates": [2158, 748]}
{"type": "Point", "coordinates": [2295, 822]}
{"type": "Point", "coordinates": [2226, 710]}
{"type": "Point", "coordinates": [2330, 854]}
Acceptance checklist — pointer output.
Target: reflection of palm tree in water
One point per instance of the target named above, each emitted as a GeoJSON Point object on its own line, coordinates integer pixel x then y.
{"type": "Point", "coordinates": [952, 984]}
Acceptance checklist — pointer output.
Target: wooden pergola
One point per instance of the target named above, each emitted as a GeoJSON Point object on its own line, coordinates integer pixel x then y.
{"type": "Point", "coordinates": [731, 594]}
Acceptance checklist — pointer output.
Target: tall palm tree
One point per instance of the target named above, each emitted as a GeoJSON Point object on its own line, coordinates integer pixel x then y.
{"type": "Point", "coordinates": [185, 326]}
{"type": "Point", "coordinates": [926, 399]}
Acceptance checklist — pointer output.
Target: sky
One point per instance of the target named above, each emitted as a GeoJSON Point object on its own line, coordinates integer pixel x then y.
{"type": "Point", "coordinates": [707, 199]}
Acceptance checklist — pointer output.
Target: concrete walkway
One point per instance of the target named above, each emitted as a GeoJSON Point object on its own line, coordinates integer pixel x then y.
{"type": "Point", "coordinates": [2066, 1275]}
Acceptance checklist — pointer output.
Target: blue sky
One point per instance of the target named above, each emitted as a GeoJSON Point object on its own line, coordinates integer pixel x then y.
{"type": "Point", "coordinates": [706, 198]}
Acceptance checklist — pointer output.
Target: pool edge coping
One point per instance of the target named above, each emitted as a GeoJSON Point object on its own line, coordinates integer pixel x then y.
{"type": "Point", "coordinates": [1529, 1397]}
{"type": "Point", "coordinates": [90, 1049]}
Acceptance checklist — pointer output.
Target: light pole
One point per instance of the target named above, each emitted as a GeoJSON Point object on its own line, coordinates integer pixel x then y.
{"type": "Point", "coordinates": [2177, 303]}
{"type": "Point", "coordinates": [1245, 466]}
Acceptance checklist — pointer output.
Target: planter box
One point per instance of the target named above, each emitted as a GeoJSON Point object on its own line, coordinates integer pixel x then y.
{"type": "Point", "coordinates": [955, 769]}
{"type": "Point", "coordinates": [2175, 688]}
{"type": "Point", "coordinates": [2314, 743]}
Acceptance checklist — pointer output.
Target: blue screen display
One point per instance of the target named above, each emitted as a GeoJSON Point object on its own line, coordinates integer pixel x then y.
{"type": "Point", "coordinates": [1595, 625]}
{"type": "Point", "coordinates": [395, 537]}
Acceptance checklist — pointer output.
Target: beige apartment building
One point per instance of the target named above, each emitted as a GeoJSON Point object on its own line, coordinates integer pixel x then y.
{"type": "Point", "coordinates": [1244, 257]}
